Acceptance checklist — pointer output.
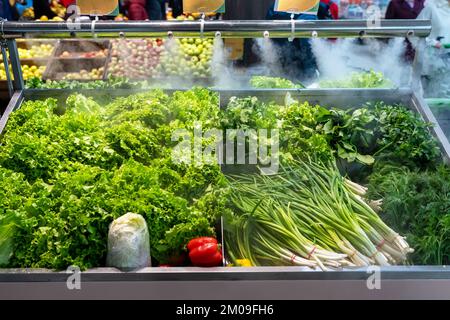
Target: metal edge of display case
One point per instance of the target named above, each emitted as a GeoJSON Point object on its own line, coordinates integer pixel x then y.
{"type": "Point", "coordinates": [228, 274]}
{"type": "Point", "coordinates": [227, 28]}
{"type": "Point", "coordinates": [14, 103]}
{"type": "Point", "coordinates": [423, 108]}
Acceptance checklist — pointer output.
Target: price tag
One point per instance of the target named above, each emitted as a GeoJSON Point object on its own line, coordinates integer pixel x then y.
{"type": "Point", "coordinates": [98, 7]}
{"type": "Point", "coordinates": [204, 6]}
{"type": "Point", "coordinates": [298, 6]}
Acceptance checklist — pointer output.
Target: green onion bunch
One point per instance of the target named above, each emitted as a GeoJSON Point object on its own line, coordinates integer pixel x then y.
{"type": "Point", "coordinates": [308, 215]}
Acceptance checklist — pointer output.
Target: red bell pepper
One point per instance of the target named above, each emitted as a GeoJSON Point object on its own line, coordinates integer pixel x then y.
{"type": "Point", "coordinates": [204, 252]}
{"type": "Point", "coordinates": [194, 243]}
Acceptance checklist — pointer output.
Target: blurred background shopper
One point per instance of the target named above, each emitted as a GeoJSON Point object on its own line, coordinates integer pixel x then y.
{"type": "Point", "coordinates": [436, 56]}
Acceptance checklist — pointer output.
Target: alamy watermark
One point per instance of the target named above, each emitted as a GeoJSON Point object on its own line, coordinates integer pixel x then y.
{"type": "Point", "coordinates": [231, 146]}
{"type": "Point", "coordinates": [374, 280]}
{"type": "Point", "coordinates": [74, 280]}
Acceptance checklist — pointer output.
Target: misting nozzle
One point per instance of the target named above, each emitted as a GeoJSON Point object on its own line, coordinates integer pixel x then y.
{"type": "Point", "coordinates": [410, 33]}
{"type": "Point", "coordinates": [121, 34]}
{"type": "Point", "coordinates": [266, 34]}
{"type": "Point", "coordinates": [218, 34]}
{"type": "Point", "coordinates": [170, 34]}
{"type": "Point", "coordinates": [362, 33]}
{"type": "Point", "coordinates": [314, 34]}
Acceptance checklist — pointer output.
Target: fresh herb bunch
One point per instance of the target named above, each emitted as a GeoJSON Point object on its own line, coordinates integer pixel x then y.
{"type": "Point", "coordinates": [249, 113]}
{"type": "Point", "coordinates": [417, 204]}
{"type": "Point", "coordinates": [402, 136]}
{"type": "Point", "coordinates": [355, 135]}
{"type": "Point", "coordinates": [300, 137]}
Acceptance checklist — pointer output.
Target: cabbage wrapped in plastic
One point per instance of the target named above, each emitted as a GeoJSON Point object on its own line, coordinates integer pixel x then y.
{"type": "Point", "coordinates": [128, 243]}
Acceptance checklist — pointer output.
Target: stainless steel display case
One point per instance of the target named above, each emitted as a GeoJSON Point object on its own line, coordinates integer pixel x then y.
{"type": "Point", "coordinates": [235, 282]}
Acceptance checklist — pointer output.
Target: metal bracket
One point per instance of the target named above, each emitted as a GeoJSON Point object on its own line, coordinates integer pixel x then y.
{"type": "Point", "coordinates": [2, 35]}
{"type": "Point", "coordinates": [415, 81]}
{"type": "Point", "coordinates": [202, 25]}
{"type": "Point", "coordinates": [15, 64]}
{"type": "Point", "coordinates": [94, 35]}
{"type": "Point", "coordinates": [292, 37]}
{"type": "Point", "coordinates": [4, 46]}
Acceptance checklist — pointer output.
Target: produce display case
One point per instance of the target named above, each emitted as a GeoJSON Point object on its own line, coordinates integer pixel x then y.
{"type": "Point", "coordinates": [236, 282]}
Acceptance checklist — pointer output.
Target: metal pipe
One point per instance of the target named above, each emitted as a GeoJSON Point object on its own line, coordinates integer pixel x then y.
{"type": "Point", "coordinates": [228, 29]}
{"type": "Point", "coordinates": [15, 64]}
{"type": "Point", "coordinates": [6, 64]}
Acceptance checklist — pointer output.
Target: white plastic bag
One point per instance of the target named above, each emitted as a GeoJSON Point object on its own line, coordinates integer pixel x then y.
{"type": "Point", "coordinates": [128, 243]}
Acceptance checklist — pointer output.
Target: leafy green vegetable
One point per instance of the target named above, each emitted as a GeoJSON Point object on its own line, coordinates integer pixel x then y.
{"type": "Point", "coordinates": [355, 135]}
{"type": "Point", "coordinates": [263, 82]}
{"type": "Point", "coordinates": [67, 170]}
{"type": "Point", "coordinates": [351, 134]}
{"type": "Point", "coordinates": [8, 224]}
{"type": "Point", "coordinates": [249, 113]}
{"type": "Point", "coordinates": [404, 137]}
{"type": "Point", "coordinates": [67, 173]}
{"type": "Point", "coordinates": [111, 83]}
{"type": "Point", "coordinates": [369, 79]}
{"type": "Point", "coordinates": [301, 136]}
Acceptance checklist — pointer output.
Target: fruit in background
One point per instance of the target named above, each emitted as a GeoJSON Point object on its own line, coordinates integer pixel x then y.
{"type": "Point", "coordinates": [36, 51]}
{"type": "Point", "coordinates": [28, 13]}
{"type": "Point", "coordinates": [121, 17]}
{"type": "Point", "coordinates": [96, 54]}
{"type": "Point", "coordinates": [32, 71]}
{"type": "Point", "coordinates": [135, 59]}
{"type": "Point", "coordinates": [28, 72]}
{"type": "Point", "coordinates": [187, 57]}
{"type": "Point", "coordinates": [185, 17]}
{"type": "Point", "coordinates": [65, 54]}
{"type": "Point", "coordinates": [94, 74]}
{"type": "Point", "coordinates": [189, 16]}
{"type": "Point", "coordinates": [45, 18]}
{"type": "Point", "coordinates": [91, 54]}
{"type": "Point", "coordinates": [58, 8]}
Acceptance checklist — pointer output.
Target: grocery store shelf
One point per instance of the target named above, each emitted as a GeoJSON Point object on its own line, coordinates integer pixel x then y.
{"type": "Point", "coordinates": [227, 29]}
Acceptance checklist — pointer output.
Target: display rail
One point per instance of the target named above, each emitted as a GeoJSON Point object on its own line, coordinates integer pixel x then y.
{"type": "Point", "coordinates": [222, 28]}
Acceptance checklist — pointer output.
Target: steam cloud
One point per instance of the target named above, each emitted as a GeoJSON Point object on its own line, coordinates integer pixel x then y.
{"type": "Point", "coordinates": [337, 59]}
